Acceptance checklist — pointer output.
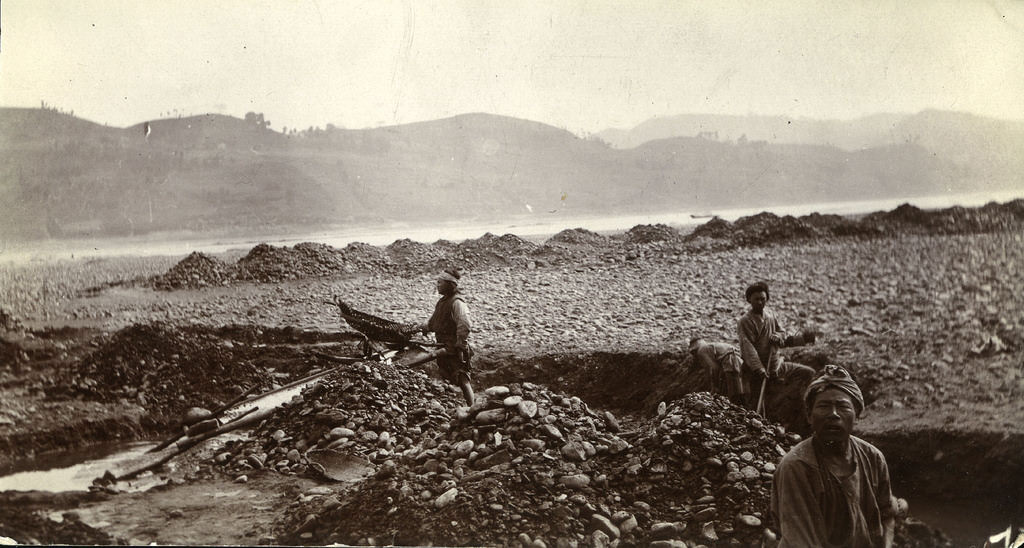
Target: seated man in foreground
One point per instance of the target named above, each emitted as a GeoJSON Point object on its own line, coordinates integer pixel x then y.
{"type": "Point", "coordinates": [833, 489]}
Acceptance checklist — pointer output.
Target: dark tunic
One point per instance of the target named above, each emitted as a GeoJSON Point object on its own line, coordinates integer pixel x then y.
{"type": "Point", "coordinates": [814, 507]}
{"type": "Point", "coordinates": [754, 332]}
{"type": "Point", "coordinates": [450, 321]}
{"type": "Point", "coordinates": [451, 327]}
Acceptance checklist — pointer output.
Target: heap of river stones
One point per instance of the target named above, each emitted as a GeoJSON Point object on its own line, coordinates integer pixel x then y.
{"type": "Point", "coordinates": [195, 271]}
{"type": "Point", "coordinates": [271, 264]}
{"type": "Point", "coordinates": [524, 465]}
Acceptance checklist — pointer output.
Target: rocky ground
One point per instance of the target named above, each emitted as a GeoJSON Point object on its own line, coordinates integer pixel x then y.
{"type": "Point", "coordinates": [593, 432]}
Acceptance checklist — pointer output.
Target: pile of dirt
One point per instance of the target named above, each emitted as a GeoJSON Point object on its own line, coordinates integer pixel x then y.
{"type": "Point", "coordinates": [360, 257]}
{"type": "Point", "coordinates": [717, 228]}
{"type": "Point", "coordinates": [166, 369]}
{"type": "Point", "coordinates": [767, 228]}
{"type": "Point", "coordinates": [369, 410]}
{"type": "Point", "coordinates": [837, 225]}
{"type": "Point", "coordinates": [28, 527]}
{"type": "Point", "coordinates": [413, 255]}
{"type": "Point", "coordinates": [490, 251]}
{"type": "Point", "coordinates": [992, 217]}
{"type": "Point", "coordinates": [578, 236]}
{"type": "Point", "coordinates": [530, 464]}
{"type": "Point", "coordinates": [195, 271]}
{"type": "Point", "coordinates": [646, 234]}
{"type": "Point", "coordinates": [497, 472]}
{"type": "Point", "coordinates": [268, 264]}
{"type": "Point", "coordinates": [523, 461]}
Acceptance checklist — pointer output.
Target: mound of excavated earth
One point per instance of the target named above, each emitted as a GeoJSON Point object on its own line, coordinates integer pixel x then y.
{"type": "Point", "coordinates": [522, 461]}
{"type": "Point", "coordinates": [524, 466]}
{"type": "Point", "coordinates": [168, 369]}
{"type": "Point", "coordinates": [196, 270]}
{"type": "Point", "coordinates": [270, 264]}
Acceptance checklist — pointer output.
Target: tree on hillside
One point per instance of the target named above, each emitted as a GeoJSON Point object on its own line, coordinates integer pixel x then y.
{"type": "Point", "coordinates": [256, 119]}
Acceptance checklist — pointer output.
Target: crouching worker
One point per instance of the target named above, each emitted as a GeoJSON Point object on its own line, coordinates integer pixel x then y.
{"type": "Point", "coordinates": [724, 368]}
{"type": "Point", "coordinates": [833, 488]}
{"type": "Point", "coordinates": [451, 327]}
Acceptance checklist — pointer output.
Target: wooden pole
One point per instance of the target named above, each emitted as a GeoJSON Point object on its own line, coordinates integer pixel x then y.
{"type": "Point", "coordinates": [213, 415]}
{"type": "Point", "coordinates": [760, 399]}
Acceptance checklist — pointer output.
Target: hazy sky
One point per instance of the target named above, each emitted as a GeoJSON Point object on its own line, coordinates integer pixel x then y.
{"type": "Point", "coordinates": [580, 65]}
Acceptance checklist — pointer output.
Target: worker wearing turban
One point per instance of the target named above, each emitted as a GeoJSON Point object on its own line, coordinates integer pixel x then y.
{"type": "Point", "coordinates": [833, 489]}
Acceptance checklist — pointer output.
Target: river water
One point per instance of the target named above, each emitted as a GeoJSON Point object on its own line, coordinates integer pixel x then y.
{"type": "Point", "coordinates": [537, 226]}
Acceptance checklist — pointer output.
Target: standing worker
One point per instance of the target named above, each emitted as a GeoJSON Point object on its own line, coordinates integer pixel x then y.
{"type": "Point", "coordinates": [724, 367]}
{"type": "Point", "coordinates": [760, 338]}
{"type": "Point", "coordinates": [451, 327]}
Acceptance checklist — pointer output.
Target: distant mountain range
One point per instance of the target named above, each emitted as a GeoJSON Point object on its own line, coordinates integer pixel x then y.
{"type": "Point", "coordinates": [62, 176]}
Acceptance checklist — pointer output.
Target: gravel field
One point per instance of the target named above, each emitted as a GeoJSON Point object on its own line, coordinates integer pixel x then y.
{"type": "Point", "coordinates": [928, 322]}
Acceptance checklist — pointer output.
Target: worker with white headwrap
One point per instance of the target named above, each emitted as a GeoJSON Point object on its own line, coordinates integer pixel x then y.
{"type": "Point", "coordinates": [451, 326]}
{"type": "Point", "coordinates": [833, 489]}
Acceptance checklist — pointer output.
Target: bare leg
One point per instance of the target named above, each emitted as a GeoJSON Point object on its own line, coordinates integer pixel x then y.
{"type": "Point", "coordinates": [467, 392]}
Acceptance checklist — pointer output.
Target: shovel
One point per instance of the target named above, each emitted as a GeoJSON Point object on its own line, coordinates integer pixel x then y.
{"type": "Point", "coordinates": [760, 399]}
{"type": "Point", "coordinates": [432, 355]}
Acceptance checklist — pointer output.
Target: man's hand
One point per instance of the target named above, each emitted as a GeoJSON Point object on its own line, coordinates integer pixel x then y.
{"type": "Point", "coordinates": [777, 339]}
{"type": "Point", "coordinates": [761, 373]}
{"type": "Point", "coordinates": [462, 352]}
{"type": "Point", "coordinates": [810, 336]}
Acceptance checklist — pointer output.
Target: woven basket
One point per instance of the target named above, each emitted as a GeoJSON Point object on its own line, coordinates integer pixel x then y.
{"type": "Point", "coordinates": [372, 326]}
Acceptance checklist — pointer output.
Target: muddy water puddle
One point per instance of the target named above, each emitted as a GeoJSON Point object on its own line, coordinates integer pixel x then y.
{"type": "Point", "coordinates": [968, 522]}
{"type": "Point", "coordinates": [73, 470]}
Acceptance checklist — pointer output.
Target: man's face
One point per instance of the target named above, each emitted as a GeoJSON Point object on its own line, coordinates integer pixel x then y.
{"type": "Point", "coordinates": [832, 415]}
{"type": "Point", "coordinates": [757, 301]}
{"type": "Point", "coordinates": [444, 287]}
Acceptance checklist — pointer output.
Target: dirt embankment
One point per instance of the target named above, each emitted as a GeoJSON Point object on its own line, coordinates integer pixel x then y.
{"type": "Point", "coordinates": [69, 387]}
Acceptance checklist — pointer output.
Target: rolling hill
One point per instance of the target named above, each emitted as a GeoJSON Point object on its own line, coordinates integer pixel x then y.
{"type": "Point", "coordinates": [62, 176]}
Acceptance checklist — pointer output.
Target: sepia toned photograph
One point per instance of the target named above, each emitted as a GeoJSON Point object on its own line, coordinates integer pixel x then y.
{"type": "Point", "coordinates": [576, 273]}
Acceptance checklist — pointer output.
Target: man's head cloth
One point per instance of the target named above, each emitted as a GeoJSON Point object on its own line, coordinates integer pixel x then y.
{"type": "Point", "coordinates": [833, 376]}
{"type": "Point", "coordinates": [450, 275]}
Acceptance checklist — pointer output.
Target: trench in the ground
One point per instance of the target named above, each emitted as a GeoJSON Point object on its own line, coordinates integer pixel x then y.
{"type": "Point", "coordinates": [282, 354]}
{"type": "Point", "coordinates": [968, 484]}
{"type": "Point", "coordinates": [976, 477]}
